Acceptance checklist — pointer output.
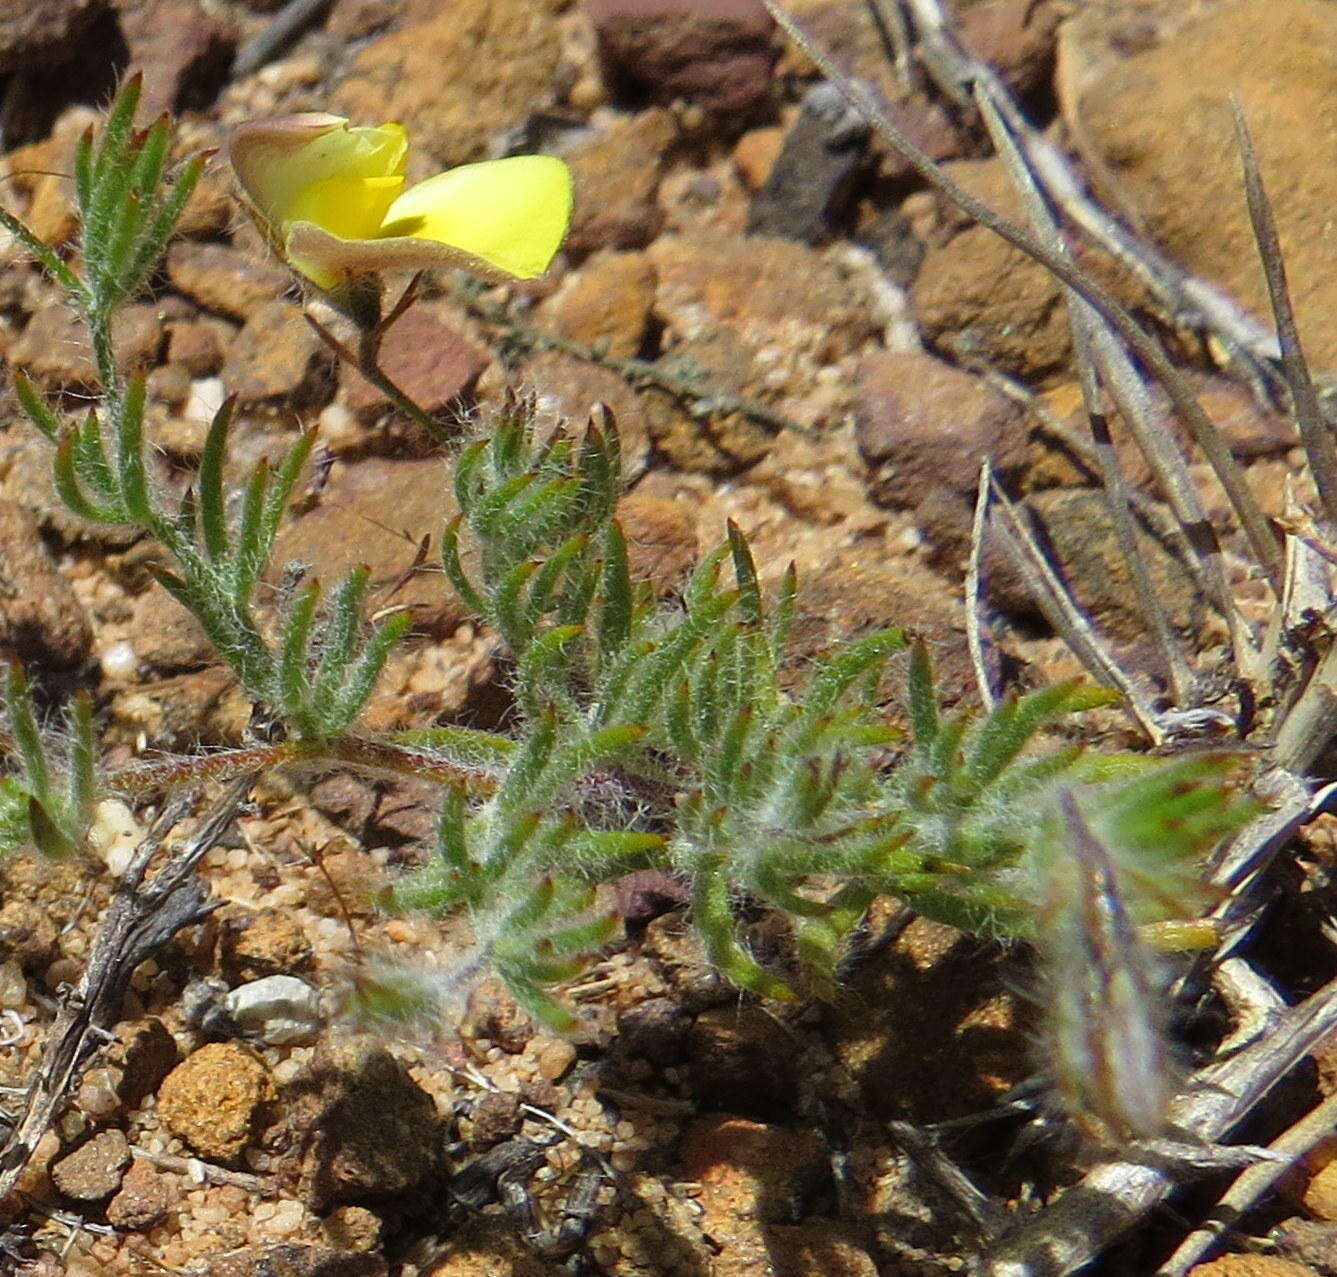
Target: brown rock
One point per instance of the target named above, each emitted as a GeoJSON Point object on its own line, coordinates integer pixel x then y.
{"type": "Point", "coordinates": [755, 154]}
{"type": "Point", "coordinates": [675, 948]}
{"type": "Point", "coordinates": [1308, 1241]}
{"type": "Point", "coordinates": [252, 945]}
{"type": "Point", "coordinates": [277, 357]}
{"type": "Point", "coordinates": [229, 281]}
{"type": "Point", "coordinates": [1320, 1194]}
{"type": "Point", "coordinates": [1080, 534]}
{"type": "Point", "coordinates": [428, 74]}
{"type": "Point", "coordinates": [661, 540]}
{"type": "Point", "coordinates": [851, 35]}
{"type": "Point", "coordinates": [92, 1172]}
{"type": "Point", "coordinates": [495, 1117]}
{"type": "Point", "coordinates": [368, 1132]}
{"type": "Point", "coordinates": [38, 897]}
{"type": "Point", "coordinates": [214, 1099]}
{"type": "Point", "coordinates": [196, 346]}
{"type": "Point", "coordinates": [922, 424]}
{"type": "Point", "coordinates": [739, 1058]}
{"type": "Point", "coordinates": [375, 512]}
{"type": "Point", "coordinates": [766, 294]}
{"type": "Point", "coordinates": [818, 1248]}
{"type": "Point", "coordinates": [353, 1228]}
{"type": "Point", "coordinates": [292, 1259]}
{"type": "Point", "coordinates": [145, 1053]}
{"type": "Point", "coordinates": [1165, 139]}
{"type": "Point", "coordinates": [55, 350]}
{"type": "Point", "coordinates": [716, 53]}
{"type": "Point", "coordinates": [347, 884]}
{"type": "Point", "coordinates": [606, 305]}
{"type": "Point", "coordinates": [656, 1030]}
{"type": "Point", "coordinates": [166, 636]}
{"type": "Point", "coordinates": [211, 211]}
{"type": "Point", "coordinates": [855, 594]}
{"type": "Point", "coordinates": [185, 52]}
{"type": "Point", "coordinates": [436, 367]}
{"type": "Point", "coordinates": [1250, 1266]}
{"type": "Point", "coordinates": [183, 712]}
{"type": "Point", "coordinates": [991, 298]}
{"type": "Point", "coordinates": [145, 1197]}
{"type": "Point", "coordinates": [752, 1170]}
{"type": "Point", "coordinates": [617, 177]}
{"type": "Point", "coordinates": [40, 618]}
{"type": "Point", "coordinates": [42, 32]}
{"type": "Point", "coordinates": [494, 1015]}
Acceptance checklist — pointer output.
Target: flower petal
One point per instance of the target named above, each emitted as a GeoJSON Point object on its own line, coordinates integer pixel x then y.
{"type": "Point", "coordinates": [317, 168]}
{"type": "Point", "coordinates": [512, 214]}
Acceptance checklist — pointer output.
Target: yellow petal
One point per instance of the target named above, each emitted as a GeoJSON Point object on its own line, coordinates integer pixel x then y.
{"type": "Point", "coordinates": [511, 214]}
{"type": "Point", "coordinates": [317, 168]}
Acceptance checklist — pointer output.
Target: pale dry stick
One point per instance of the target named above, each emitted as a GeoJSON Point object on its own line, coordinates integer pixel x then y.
{"type": "Point", "coordinates": [974, 594]}
{"type": "Point", "coordinates": [1113, 1196]}
{"type": "Point", "coordinates": [1192, 303]}
{"type": "Point", "coordinates": [1265, 545]}
{"type": "Point", "coordinates": [1319, 449]}
{"type": "Point", "coordinates": [889, 17]}
{"type": "Point", "coordinates": [1068, 620]}
{"type": "Point", "coordinates": [1152, 514]}
{"type": "Point", "coordinates": [1083, 323]}
{"type": "Point", "coordinates": [1317, 1125]}
{"type": "Point", "coordinates": [1092, 338]}
{"type": "Point", "coordinates": [1253, 1005]}
{"type": "Point", "coordinates": [141, 918]}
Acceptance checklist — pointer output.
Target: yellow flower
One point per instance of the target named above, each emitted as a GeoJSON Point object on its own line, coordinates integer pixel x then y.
{"type": "Point", "coordinates": [330, 198]}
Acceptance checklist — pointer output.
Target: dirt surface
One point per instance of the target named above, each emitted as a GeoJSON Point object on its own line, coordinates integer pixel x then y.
{"type": "Point", "coordinates": [757, 255]}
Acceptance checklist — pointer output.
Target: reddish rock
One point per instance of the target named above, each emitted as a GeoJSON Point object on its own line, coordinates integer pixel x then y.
{"type": "Point", "coordinates": [717, 53]}
{"type": "Point", "coordinates": [606, 305]}
{"type": "Point", "coordinates": [92, 1172]}
{"type": "Point", "coordinates": [374, 512]}
{"type": "Point", "coordinates": [56, 352]}
{"type": "Point", "coordinates": [145, 1197]}
{"type": "Point", "coordinates": [277, 357]}
{"type": "Point", "coordinates": [436, 367]}
{"type": "Point", "coordinates": [1015, 37]}
{"type": "Point", "coordinates": [976, 290]}
{"type": "Point", "coordinates": [753, 1170]}
{"type": "Point", "coordinates": [269, 942]}
{"type": "Point", "coordinates": [662, 546]}
{"type": "Point", "coordinates": [617, 177]}
{"type": "Point", "coordinates": [41, 620]}
{"type": "Point", "coordinates": [166, 636]}
{"type": "Point", "coordinates": [226, 280]}
{"type": "Point", "coordinates": [922, 424]}
{"type": "Point", "coordinates": [184, 50]}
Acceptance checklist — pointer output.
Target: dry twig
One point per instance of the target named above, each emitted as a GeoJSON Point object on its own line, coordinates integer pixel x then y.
{"type": "Point", "coordinates": [142, 917]}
